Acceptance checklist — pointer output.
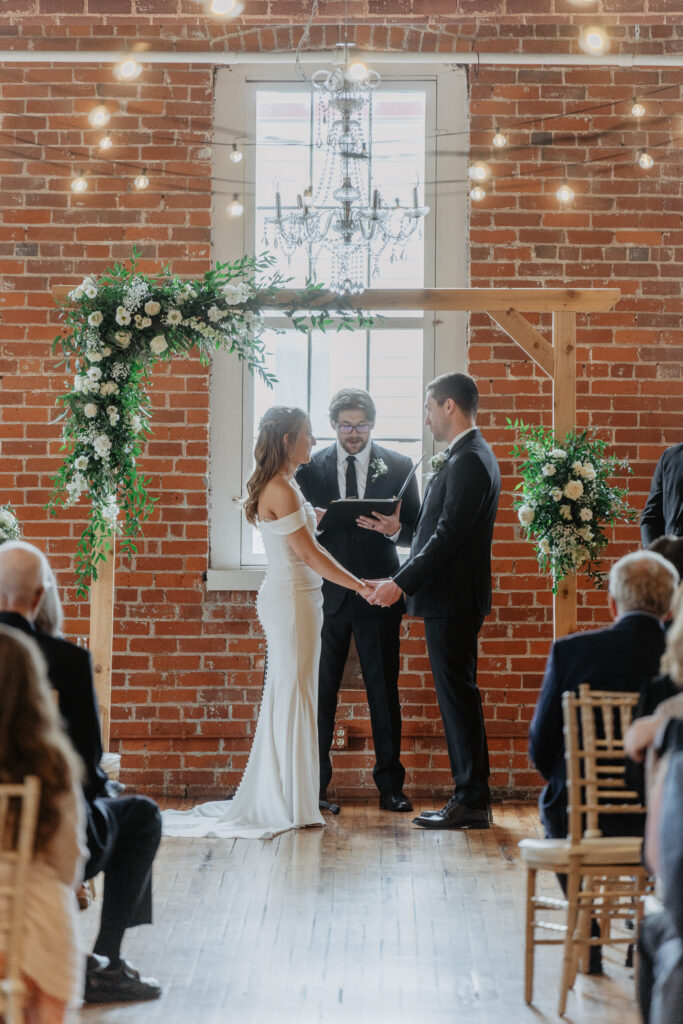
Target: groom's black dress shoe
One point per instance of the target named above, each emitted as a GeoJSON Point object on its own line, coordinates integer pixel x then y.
{"type": "Point", "coordinates": [121, 983]}
{"type": "Point", "coordinates": [454, 815]}
{"type": "Point", "coordinates": [325, 805]}
{"type": "Point", "coordinates": [394, 802]}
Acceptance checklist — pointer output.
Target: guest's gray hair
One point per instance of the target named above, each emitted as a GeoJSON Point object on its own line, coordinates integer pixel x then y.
{"type": "Point", "coordinates": [643, 582]}
{"type": "Point", "coordinates": [49, 617]}
{"type": "Point", "coordinates": [672, 659]}
{"type": "Point", "coordinates": [23, 571]}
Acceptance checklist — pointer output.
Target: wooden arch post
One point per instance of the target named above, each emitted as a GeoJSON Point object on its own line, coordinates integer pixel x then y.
{"type": "Point", "coordinates": [506, 306]}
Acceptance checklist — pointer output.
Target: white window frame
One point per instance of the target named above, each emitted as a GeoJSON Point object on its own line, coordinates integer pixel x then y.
{"type": "Point", "coordinates": [445, 335]}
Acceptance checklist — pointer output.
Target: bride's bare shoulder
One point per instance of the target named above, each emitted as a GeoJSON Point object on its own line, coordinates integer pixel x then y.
{"type": "Point", "coordinates": [278, 499]}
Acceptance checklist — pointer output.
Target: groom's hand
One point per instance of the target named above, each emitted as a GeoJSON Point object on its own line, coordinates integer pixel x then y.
{"type": "Point", "coordinates": [386, 593]}
{"type": "Point", "coordinates": [388, 525]}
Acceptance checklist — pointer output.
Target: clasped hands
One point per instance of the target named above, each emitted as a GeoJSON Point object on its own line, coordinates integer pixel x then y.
{"type": "Point", "coordinates": [381, 592]}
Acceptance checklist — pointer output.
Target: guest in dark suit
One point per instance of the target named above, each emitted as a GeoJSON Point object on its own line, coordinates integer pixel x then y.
{"type": "Point", "coordinates": [123, 833]}
{"type": "Point", "coordinates": [354, 466]}
{"type": "Point", "coordinates": [448, 582]}
{"type": "Point", "coordinates": [621, 657]}
{"type": "Point", "coordinates": [663, 512]}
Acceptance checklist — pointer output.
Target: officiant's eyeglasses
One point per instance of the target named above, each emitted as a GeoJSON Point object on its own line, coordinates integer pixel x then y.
{"type": "Point", "coordinates": [348, 428]}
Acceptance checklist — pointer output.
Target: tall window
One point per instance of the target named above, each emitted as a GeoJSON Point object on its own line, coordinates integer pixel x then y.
{"type": "Point", "coordinates": [391, 360]}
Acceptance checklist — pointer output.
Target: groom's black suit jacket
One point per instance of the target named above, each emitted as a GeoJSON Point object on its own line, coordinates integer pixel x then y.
{"type": "Point", "coordinates": [663, 512]}
{"type": "Point", "coordinates": [366, 553]}
{"type": "Point", "coordinates": [448, 574]}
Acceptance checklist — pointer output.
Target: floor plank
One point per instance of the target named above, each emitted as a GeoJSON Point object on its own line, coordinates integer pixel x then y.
{"type": "Point", "coordinates": [369, 920]}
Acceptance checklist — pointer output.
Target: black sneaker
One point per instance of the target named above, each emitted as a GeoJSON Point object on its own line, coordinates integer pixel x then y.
{"type": "Point", "coordinates": [119, 984]}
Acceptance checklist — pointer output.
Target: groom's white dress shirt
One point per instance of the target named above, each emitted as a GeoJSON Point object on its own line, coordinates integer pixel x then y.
{"type": "Point", "coordinates": [362, 465]}
{"type": "Point", "coordinates": [458, 436]}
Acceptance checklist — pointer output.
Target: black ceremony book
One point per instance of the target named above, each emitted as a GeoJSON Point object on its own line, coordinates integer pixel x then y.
{"type": "Point", "coordinates": [342, 514]}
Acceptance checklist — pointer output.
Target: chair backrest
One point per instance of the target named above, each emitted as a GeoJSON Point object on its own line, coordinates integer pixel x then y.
{"type": "Point", "coordinates": [18, 818]}
{"type": "Point", "coordinates": [594, 725]}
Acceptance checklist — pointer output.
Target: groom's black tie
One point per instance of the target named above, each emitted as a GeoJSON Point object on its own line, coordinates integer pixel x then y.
{"type": "Point", "coordinates": [351, 482]}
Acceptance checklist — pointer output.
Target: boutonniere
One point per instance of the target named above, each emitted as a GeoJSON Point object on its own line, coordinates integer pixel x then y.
{"type": "Point", "coordinates": [437, 462]}
{"type": "Point", "coordinates": [379, 468]}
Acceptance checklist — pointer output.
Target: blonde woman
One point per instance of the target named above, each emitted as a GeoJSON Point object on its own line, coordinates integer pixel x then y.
{"type": "Point", "coordinates": [279, 788]}
{"type": "Point", "coordinates": [32, 742]}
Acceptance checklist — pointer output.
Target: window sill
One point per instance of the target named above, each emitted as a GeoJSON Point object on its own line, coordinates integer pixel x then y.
{"type": "Point", "coordinates": [234, 579]}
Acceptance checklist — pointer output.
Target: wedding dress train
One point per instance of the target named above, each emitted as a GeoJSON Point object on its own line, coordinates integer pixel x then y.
{"type": "Point", "coordinates": [279, 788]}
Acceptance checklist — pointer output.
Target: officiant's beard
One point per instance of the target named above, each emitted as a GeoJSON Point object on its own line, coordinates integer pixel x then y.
{"type": "Point", "coordinates": [354, 444]}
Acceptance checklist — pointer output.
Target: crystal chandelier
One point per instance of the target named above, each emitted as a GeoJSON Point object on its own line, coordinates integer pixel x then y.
{"type": "Point", "coordinates": [342, 213]}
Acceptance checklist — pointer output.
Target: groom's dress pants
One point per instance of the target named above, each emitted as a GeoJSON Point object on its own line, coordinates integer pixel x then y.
{"type": "Point", "coordinates": [452, 648]}
{"type": "Point", "coordinates": [376, 635]}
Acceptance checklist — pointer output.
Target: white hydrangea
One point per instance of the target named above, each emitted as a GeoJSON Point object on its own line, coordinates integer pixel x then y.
{"type": "Point", "coordinates": [573, 489]}
{"type": "Point", "coordinates": [236, 293]}
{"type": "Point", "coordinates": [110, 511]}
{"type": "Point", "coordinates": [558, 453]}
{"type": "Point", "coordinates": [152, 308]}
{"type": "Point", "coordinates": [588, 471]}
{"type": "Point", "coordinates": [586, 515]}
{"type": "Point", "coordinates": [102, 446]}
{"type": "Point", "coordinates": [80, 382]}
{"type": "Point", "coordinates": [525, 514]}
{"type": "Point", "coordinates": [556, 494]}
{"type": "Point", "coordinates": [158, 344]}
{"type": "Point", "coordinates": [123, 317]}
{"type": "Point", "coordinates": [90, 410]}
{"type": "Point", "coordinates": [549, 469]}
{"type": "Point", "coordinates": [215, 314]}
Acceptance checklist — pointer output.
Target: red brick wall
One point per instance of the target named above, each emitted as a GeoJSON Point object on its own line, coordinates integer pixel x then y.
{"type": "Point", "coordinates": [187, 664]}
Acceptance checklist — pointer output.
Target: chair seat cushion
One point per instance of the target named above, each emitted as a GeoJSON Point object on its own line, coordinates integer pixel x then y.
{"type": "Point", "coordinates": [554, 853]}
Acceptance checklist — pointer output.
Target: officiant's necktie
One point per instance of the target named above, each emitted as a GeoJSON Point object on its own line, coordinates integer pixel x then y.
{"type": "Point", "coordinates": [351, 482]}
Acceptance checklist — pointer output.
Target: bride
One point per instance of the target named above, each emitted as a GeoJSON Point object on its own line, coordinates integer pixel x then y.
{"type": "Point", "coordinates": [279, 788]}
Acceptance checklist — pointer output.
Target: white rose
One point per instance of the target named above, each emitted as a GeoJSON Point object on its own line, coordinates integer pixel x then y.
{"type": "Point", "coordinates": [586, 515]}
{"type": "Point", "coordinates": [577, 467]}
{"type": "Point", "coordinates": [558, 453]}
{"type": "Point", "coordinates": [95, 318]}
{"type": "Point", "coordinates": [214, 314]}
{"type": "Point", "coordinates": [565, 511]}
{"type": "Point", "coordinates": [76, 295]}
{"type": "Point", "coordinates": [174, 317]}
{"type": "Point", "coordinates": [573, 489]}
{"type": "Point", "coordinates": [81, 462]}
{"type": "Point", "coordinates": [525, 515]}
{"type": "Point", "coordinates": [94, 373]}
{"type": "Point", "coordinates": [544, 546]}
{"type": "Point", "coordinates": [158, 344]}
{"type": "Point", "coordinates": [233, 295]}
{"type": "Point", "coordinates": [588, 471]}
{"type": "Point", "coordinates": [122, 316]}
{"type": "Point", "coordinates": [102, 444]}
{"type": "Point", "coordinates": [556, 494]}
{"type": "Point", "coordinates": [145, 322]}
{"type": "Point", "coordinates": [152, 308]}
{"type": "Point", "coordinates": [90, 410]}
{"type": "Point", "coordinates": [93, 357]}
{"type": "Point", "coordinates": [122, 338]}
{"type": "Point", "coordinates": [106, 351]}
{"type": "Point", "coordinates": [109, 387]}
{"type": "Point", "coordinates": [548, 469]}
{"type": "Point", "coordinates": [91, 291]}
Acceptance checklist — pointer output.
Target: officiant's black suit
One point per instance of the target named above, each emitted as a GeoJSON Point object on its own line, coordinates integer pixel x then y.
{"type": "Point", "coordinates": [369, 555]}
{"type": "Point", "coordinates": [663, 512]}
{"type": "Point", "coordinates": [448, 582]}
{"type": "Point", "coordinates": [123, 832]}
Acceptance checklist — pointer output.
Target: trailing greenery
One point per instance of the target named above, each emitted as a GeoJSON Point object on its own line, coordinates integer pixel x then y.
{"type": "Point", "coordinates": [566, 500]}
{"type": "Point", "coordinates": [116, 328]}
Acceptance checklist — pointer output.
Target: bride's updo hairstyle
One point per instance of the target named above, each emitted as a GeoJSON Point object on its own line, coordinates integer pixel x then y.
{"type": "Point", "coordinates": [277, 434]}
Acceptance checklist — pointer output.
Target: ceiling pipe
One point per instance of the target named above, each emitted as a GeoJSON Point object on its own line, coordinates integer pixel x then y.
{"type": "Point", "coordinates": [226, 58]}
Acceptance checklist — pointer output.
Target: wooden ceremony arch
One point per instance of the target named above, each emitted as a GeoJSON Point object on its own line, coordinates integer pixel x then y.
{"type": "Point", "coordinates": [506, 306]}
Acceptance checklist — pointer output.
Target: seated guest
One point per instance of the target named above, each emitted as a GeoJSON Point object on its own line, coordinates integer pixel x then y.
{"type": "Point", "coordinates": [32, 742]}
{"type": "Point", "coordinates": [621, 657]}
{"type": "Point", "coordinates": [671, 548]}
{"type": "Point", "coordinates": [49, 617]}
{"type": "Point", "coordinates": [123, 834]}
{"type": "Point", "coordinates": [660, 939]}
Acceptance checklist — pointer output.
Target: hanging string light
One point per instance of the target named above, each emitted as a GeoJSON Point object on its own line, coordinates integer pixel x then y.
{"type": "Point", "coordinates": [99, 116]}
{"type": "Point", "coordinates": [79, 184]}
{"type": "Point", "coordinates": [479, 171]}
{"type": "Point", "coordinates": [235, 208]}
{"type": "Point", "coordinates": [141, 181]}
{"type": "Point", "coordinates": [226, 8]}
{"type": "Point", "coordinates": [236, 154]}
{"type": "Point", "coordinates": [565, 193]}
{"type": "Point", "coordinates": [645, 160]}
{"type": "Point", "coordinates": [638, 110]}
{"type": "Point", "coordinates": [499, 139]}
{"type": "Point", "coordinates": [477, 193]}
{"type": "Point", "coordinates": [594, 40]}
{"type": "Point", "coordinates": [128, 70]}
{"type": "Point", "coordinates": [105, 142]}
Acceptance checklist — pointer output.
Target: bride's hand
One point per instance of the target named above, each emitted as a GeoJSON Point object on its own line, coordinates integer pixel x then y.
{"type": "Point", "coordinates": [367, 590]}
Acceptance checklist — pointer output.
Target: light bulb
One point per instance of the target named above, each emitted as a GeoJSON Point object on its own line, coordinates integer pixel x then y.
{"type": "Point", "coordinates": [565, 194]}
{"type": "Point", "coordinates": [226, 7]}
{"type": "Point", "coordinates": [500, 140]}
{"type": "Point", "coordinates": [99, 116]}
{"type": "Point", "coordinates": [141, 181]}
{"type": "Point", "coordinates": [79, 183]}
{"type": "Point", "coordinates": [105, 142]}
{"type": "Point", "coordinates": [638, 110]}
{"type": "Point", "coordinates": [358, 71]}
{"type": "Point", "coordinates": [128, 70]}
{"type": "Point", "coordinates": [480, 171]}
{"type": "Point", "coordinates": [236, 154]}
{"type": "Point", "coordinates": [593, 40]}
{"type": "Point", "coordinates": [477, 193]}
{"type": "Point", "coordinates": [235, 208]}
{"type": "Point", "coordinates": [645, 160]}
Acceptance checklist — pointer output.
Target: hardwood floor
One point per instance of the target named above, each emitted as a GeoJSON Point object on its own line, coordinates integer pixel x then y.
{"type": "Point", "coordinates": [368, 921]}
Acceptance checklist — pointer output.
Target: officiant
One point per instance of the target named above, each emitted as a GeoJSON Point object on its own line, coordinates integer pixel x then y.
{"type": "Point", "coordinates": [354, 466]}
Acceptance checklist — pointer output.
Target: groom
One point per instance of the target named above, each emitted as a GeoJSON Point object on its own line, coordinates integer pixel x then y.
{"type": "Point", "coordinates": [448, 582]}
{"type": "Point", "coordinates": [354, 466]}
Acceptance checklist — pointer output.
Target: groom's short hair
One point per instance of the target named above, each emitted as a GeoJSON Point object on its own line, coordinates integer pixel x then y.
{"type": "Point", "coordinates": [352, 398]}
{"type": "Point", "coordinates": [458, 386]}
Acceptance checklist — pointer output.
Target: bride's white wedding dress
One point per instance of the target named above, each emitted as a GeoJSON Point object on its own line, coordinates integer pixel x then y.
{"type": "Point", "coordinates": [279, 788]}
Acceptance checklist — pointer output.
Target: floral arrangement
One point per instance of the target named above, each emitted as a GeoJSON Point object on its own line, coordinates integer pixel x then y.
{"type": "Point", "coordinates": [9, 525]}
{"type": "Point", "coordinates": [117, 328]}
{"type": "Point", "coordinates": [566, 500]}
{"type": "Point", "coordinates": [379, 468]}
